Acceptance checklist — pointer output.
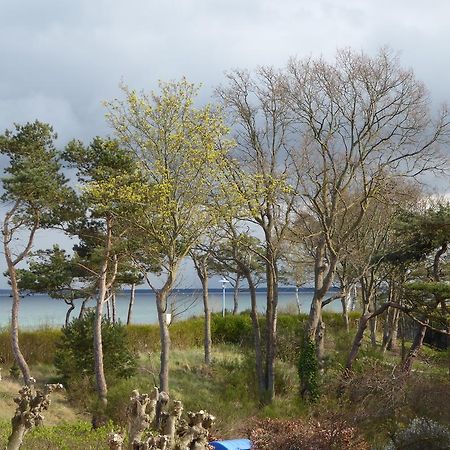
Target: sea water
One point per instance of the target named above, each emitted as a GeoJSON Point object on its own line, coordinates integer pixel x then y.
{"type": "Point", "coordinates": [38, 310]}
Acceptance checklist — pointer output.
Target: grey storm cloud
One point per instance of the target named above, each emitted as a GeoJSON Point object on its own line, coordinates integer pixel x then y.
{"type": "Point", "coordinates": [61, 59]}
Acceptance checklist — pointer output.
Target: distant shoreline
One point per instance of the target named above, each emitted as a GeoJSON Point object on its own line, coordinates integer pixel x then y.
{"type": "Point", "coordinates": [285, 289]}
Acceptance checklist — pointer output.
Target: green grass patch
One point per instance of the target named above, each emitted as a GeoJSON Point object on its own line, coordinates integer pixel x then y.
{"type": "Point", "coordinates": [74, 436]}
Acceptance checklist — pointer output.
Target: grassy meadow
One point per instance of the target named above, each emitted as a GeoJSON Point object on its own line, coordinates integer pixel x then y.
{"type": "Point", "coordinates": [374, 400]}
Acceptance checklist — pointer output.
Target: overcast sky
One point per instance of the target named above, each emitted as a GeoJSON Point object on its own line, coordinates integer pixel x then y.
{"type": "Point", "coordinates": [60, 59]}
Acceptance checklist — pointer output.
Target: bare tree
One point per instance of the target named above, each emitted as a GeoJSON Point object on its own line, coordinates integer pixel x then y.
{"type": "Point", "coordinates": [360, 119]}
{"type": "Point", "coordinates": [238, 252]}
{"type": "Point", "coordinates": [261, 175]}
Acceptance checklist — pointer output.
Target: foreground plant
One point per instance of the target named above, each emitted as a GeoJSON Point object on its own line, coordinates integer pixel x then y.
{"type": "Point", "coordinates": [154, 422]}
{"type": "Point", "coordinates": [421, 433]}
{"type": "Point", "coordinates": [30, 405]}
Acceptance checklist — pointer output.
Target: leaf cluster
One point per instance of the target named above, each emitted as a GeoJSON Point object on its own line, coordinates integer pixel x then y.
{"type": "Point", "coordinates": [34, 180]}
{"type": "Point", "coordinates": [53, 272]}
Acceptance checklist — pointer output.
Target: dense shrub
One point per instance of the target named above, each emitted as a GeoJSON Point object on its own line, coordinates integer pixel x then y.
{"type": "Point", "coordinates": [232, 329]}
{"type": "Point", "coordinates": [37, 346]}
{"type": "Point", "coordinates": [421, 434]}
{"type": "Point", "coordinates": [187, 333]}
{"type": "Point", "coordinates": [238, 330]}
{"type": "Point", "coordinates": [269, 434]}
{"type": "Point", "coordinates": [379, 396]}
{"type": "Point", "coordinates": [434, 395]}
{"type": "Point", "coordinates": [289, 336]}
{"type": "Point", "coordinates": [74, 358]}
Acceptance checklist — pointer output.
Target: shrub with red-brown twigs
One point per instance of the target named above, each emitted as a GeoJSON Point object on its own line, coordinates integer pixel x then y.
{"type": "Point", "coordinates": [269, 434]}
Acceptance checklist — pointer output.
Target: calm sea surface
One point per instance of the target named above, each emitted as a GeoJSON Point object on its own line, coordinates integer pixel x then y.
{"type": "Point", "coordinates": [40, 310]}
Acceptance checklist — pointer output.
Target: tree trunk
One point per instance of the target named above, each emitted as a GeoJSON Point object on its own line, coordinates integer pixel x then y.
{"type": "Point", "coordinates": [357, 341]}
{"type": "Point", "coordinates": [131, 303]}
{"type": "Point", "coordinates": [323, 279]}
{"type": "Point", "coordinates": [387, 330]}
{"type": "Point", "coordinates": [315, 311]}
{"type": "Point", "coordinates": [415, 348]}
{"type": "Point", "coordinates": [314, 333]}
{"type": "Point", "coordinates": [390, 330]}
{"type": "Point", "coordinates": [100, 378]}
{"type": "Point", "coordinates": [171, 432]}
{"type": "Point", "coordinates": [141, 412]}
{"type": "Point", "coordinates": [236, 289]}
{"type": "Point", "coordinates": [108, 310]}
{"type": "Point", "coordinates": [201, 267]}
{"type": "Point", "coordinates": [161, 303]}
{"type": "Point", "coordinates": [30, 406]}
{"type": "Point", "coordinates": [69, 311]}
{"type": "Point", "coordinates": [369, 305]}
{"type": "Point", "coordinates": [373, 332]}
{"type": "Point", "coordinates": [392, 343]}
{"type": "Point", "coordinates": [256, 337]}
{"type": "Point", "coordinates": [344, 303]}
{"type": "Point", "coordinates": [18, 356]}
{"type": "Point", "coordinates": [363, 322]}
{"type": "Point", "coordinates": [83, 308]}
{"type": "Point", "coordinates": [353, 298]}
{"type": "Point", "coordinates": [16, 438]}
{"type": "Point", "coordinates": [113, 307]}
{"type": "Point", "coordinates": [320, 344]}
{"type": "Point", "coordinates": [297, 300]}
{"type": "Point", "coordinates": [271, 326]}
{"type": "Point", "coordinates": [207, 313]}
{"type": "Point", "coordinates": [11, 265]}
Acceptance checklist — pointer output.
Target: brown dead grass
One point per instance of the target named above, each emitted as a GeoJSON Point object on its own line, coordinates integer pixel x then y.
{"type": "Point", "coordinates": [60, 410]}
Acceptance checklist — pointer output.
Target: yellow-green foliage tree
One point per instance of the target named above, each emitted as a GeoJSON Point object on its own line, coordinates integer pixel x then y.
{"type": "Point", "coordinates": [181, 150]}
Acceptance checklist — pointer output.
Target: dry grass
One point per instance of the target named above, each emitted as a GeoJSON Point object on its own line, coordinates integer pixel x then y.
{"type": "Point", "coordinates": [60, 410]}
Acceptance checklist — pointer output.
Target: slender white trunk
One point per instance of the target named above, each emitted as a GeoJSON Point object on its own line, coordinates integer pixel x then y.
{"type": "Point", "coordinates": [161, 301]}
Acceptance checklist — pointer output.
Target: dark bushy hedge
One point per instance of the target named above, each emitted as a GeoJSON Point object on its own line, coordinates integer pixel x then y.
{"type": "Point", "coordinates": [39, 345]}
{"type": "Point", "coordinates": [74, 357]}
{"type": "Point", "coordinates": [231, 329]}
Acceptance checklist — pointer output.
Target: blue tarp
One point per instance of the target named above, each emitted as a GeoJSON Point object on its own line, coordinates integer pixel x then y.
{"type": "Point", "coordinates": [234, 444]}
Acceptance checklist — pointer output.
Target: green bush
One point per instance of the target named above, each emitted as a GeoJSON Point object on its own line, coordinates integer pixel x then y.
{"type": "Point", "coordinates": [289, 337]}
{"type": "Point", "coordinates": [37, 346]}
{"type": "Point", "coordinates": [187, 333]}
{"type": "Point", "coordinates": [143, 338]}
{"type": "Point", "coordinates": [74, 358]}
{"type": "Point", "coordinates": [183, 334]}
{"type": "Point", "coordinates": [232, 329]}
